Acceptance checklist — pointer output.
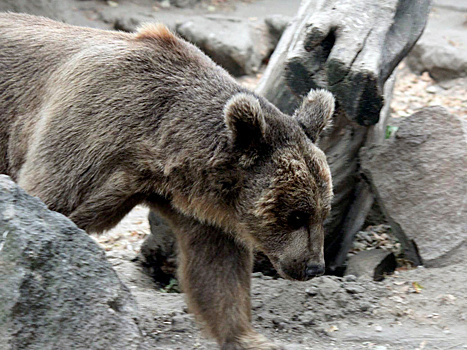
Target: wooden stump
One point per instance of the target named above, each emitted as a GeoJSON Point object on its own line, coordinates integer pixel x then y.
{"type": "Point", "coordinates": [350, 48]}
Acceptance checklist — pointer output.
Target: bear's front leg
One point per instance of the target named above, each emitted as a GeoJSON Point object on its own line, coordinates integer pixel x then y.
{"type": "Point", "coordinates": [215, 273]}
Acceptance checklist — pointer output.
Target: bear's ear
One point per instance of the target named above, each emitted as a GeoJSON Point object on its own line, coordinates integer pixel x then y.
{"type": "Point", "coordinates": [244, 118]}
{"type": "Point", "coordinates": [315, 113]}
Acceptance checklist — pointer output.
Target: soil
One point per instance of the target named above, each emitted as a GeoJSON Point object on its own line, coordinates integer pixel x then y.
{"type": "Point", "coordinates": [412, 309]}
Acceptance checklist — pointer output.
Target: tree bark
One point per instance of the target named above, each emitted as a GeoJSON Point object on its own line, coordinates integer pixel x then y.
{"type": "Point", "coordinates": [351, 49]}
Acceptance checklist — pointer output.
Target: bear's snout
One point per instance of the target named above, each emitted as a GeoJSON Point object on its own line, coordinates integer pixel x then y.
{"type": "Point", "coordinates": [314, 270]}
{"type": "Point", "coordinates": [302, 272]}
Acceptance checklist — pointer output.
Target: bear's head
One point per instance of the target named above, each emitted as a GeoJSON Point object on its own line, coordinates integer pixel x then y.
{"type": "Point", "coordinates": [286, 187]}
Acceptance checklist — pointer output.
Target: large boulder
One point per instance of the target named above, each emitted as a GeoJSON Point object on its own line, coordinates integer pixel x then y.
{"type": "Point", "coordinates": [60, 10]}
{"type": "Point", "coordinates": [419, 178]}
{"type": "Point", "coordinates": [184, 3]}
{"type": "Point", "coordinates": [158, 252]}
{"type": "Point", "coordinates": [442, 49]}
{"type": "Point", "coordinates": [57, 289]}
{"type": "Point", "coordinates": [238, 45]}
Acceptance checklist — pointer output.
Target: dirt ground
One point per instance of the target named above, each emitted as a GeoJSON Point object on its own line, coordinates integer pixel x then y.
{"type": "Point", "coordinates": [412, 309]}
{"type": "Point", "coordinates": [415, 309]}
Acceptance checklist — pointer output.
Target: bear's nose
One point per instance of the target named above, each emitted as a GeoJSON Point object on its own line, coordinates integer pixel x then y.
{"type": "Point", "coordinates": [313, 270]}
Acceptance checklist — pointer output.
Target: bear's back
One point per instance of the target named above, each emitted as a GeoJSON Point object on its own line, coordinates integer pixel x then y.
{"type": "Point", "coordinates": [98, 73]}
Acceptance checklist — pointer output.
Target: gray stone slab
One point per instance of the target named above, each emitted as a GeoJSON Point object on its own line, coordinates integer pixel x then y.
{"type": "Point", "coordinates": [419, 178]}
{"type": "Point", "coordinates": [238, 45]}
{"type": "Point", "coordinates": [57, 289]}
{"type": "Point", "coordinates": [442, 49]}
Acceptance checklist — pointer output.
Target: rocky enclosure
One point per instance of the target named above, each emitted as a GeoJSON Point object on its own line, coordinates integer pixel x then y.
{"type": "Point", "coordinates": [58, 291]}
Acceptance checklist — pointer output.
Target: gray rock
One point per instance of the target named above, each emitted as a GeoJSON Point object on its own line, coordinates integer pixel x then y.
{"type": "Point", "coordinates": [61, 10]}
{"type": "Point", "coordinates": [419, 178]}
{"type": "Point", "coordinates": [158, 251]}
{"type": "Point", "coordinates": [350, 278]}
{"type": "Point", "coordinates": [128, 23]}
{"type": "Point", "coordinates": [442, 49]}
{"type": "Point", "coordinates": [277, 25]}
{"type": "Point", "coordinates": [183, 3]}
{"type": "Point", "coordinates": [312, 291]}
{"type": "Point", "coordinates": [238, 45]}
{"type": "Point", "coordinates": [374, 263]}
{"type": "Point", "coordinates": [182, 323]}
{"type": "Point", "coordinates": [57, 289]}
{"type": "Point", "coordinates": [308, 318]}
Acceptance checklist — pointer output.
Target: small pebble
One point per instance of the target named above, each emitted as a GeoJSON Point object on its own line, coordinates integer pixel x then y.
{"type": "Point", "coordinates": [350, 278]}
{"type": "Point", "coordinates": [365, 306]}
{"type": "Point", "coordinates": [378, 328]}
{"type": "Point", "coordinates": [165, 4]}
{"type": "Point", "coordinates": [354, 289]}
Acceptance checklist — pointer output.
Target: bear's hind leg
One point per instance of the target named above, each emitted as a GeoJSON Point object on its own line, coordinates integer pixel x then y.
{"type": "Point", "coordinates": [215, 273]}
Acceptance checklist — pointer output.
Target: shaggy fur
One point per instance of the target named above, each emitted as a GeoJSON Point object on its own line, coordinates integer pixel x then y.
{"type": "Point", "coordinates": [95, 122]}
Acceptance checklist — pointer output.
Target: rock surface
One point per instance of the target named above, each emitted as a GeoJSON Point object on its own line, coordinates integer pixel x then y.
{"type": "Point", "coordinates": [420, 181]}
{"type": "Point", "coordinates": [442, 49]}
{"type": "Point", "coordinates": [60, 10]}
{"type": "Point", "coordinates": [158, 252]}
{"type": "Point", "coordinates": [374, 264]}
{"type": "Point", "coordinates": [57, 289]}
{"type": "Point", "coordinates": [184, 3]}
{"type": "Point", "coordinates": [240, 53]}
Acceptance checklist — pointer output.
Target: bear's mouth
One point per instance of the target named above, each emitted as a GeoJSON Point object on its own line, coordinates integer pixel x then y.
{"type": "Point", "coordinates": [291, 275]}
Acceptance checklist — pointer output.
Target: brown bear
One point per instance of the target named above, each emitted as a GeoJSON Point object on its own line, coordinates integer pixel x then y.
{"type": "Point", "coordinates": [94, 122]}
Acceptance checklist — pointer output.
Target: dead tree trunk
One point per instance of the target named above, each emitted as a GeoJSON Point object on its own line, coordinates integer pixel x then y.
{"type": "Point", "coordinates": [350, 48]}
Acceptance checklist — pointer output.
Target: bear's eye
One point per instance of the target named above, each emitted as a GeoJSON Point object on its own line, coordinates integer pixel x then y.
{"type": "Point", "coordinates": [298, 219]}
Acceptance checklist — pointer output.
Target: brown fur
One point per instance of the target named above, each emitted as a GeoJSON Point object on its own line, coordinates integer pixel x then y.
{"type": "Point", "coordinates": [95, 122]}
{"type": "Point", "coordinates": [156, 31]}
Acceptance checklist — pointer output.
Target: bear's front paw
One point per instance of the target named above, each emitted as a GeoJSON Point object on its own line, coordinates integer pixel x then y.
{"type": "Point", "coordinates": [251, 341]}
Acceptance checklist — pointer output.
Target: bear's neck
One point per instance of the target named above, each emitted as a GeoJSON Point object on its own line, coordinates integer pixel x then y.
{"type": "Point", "coordinates": [198, 168]}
